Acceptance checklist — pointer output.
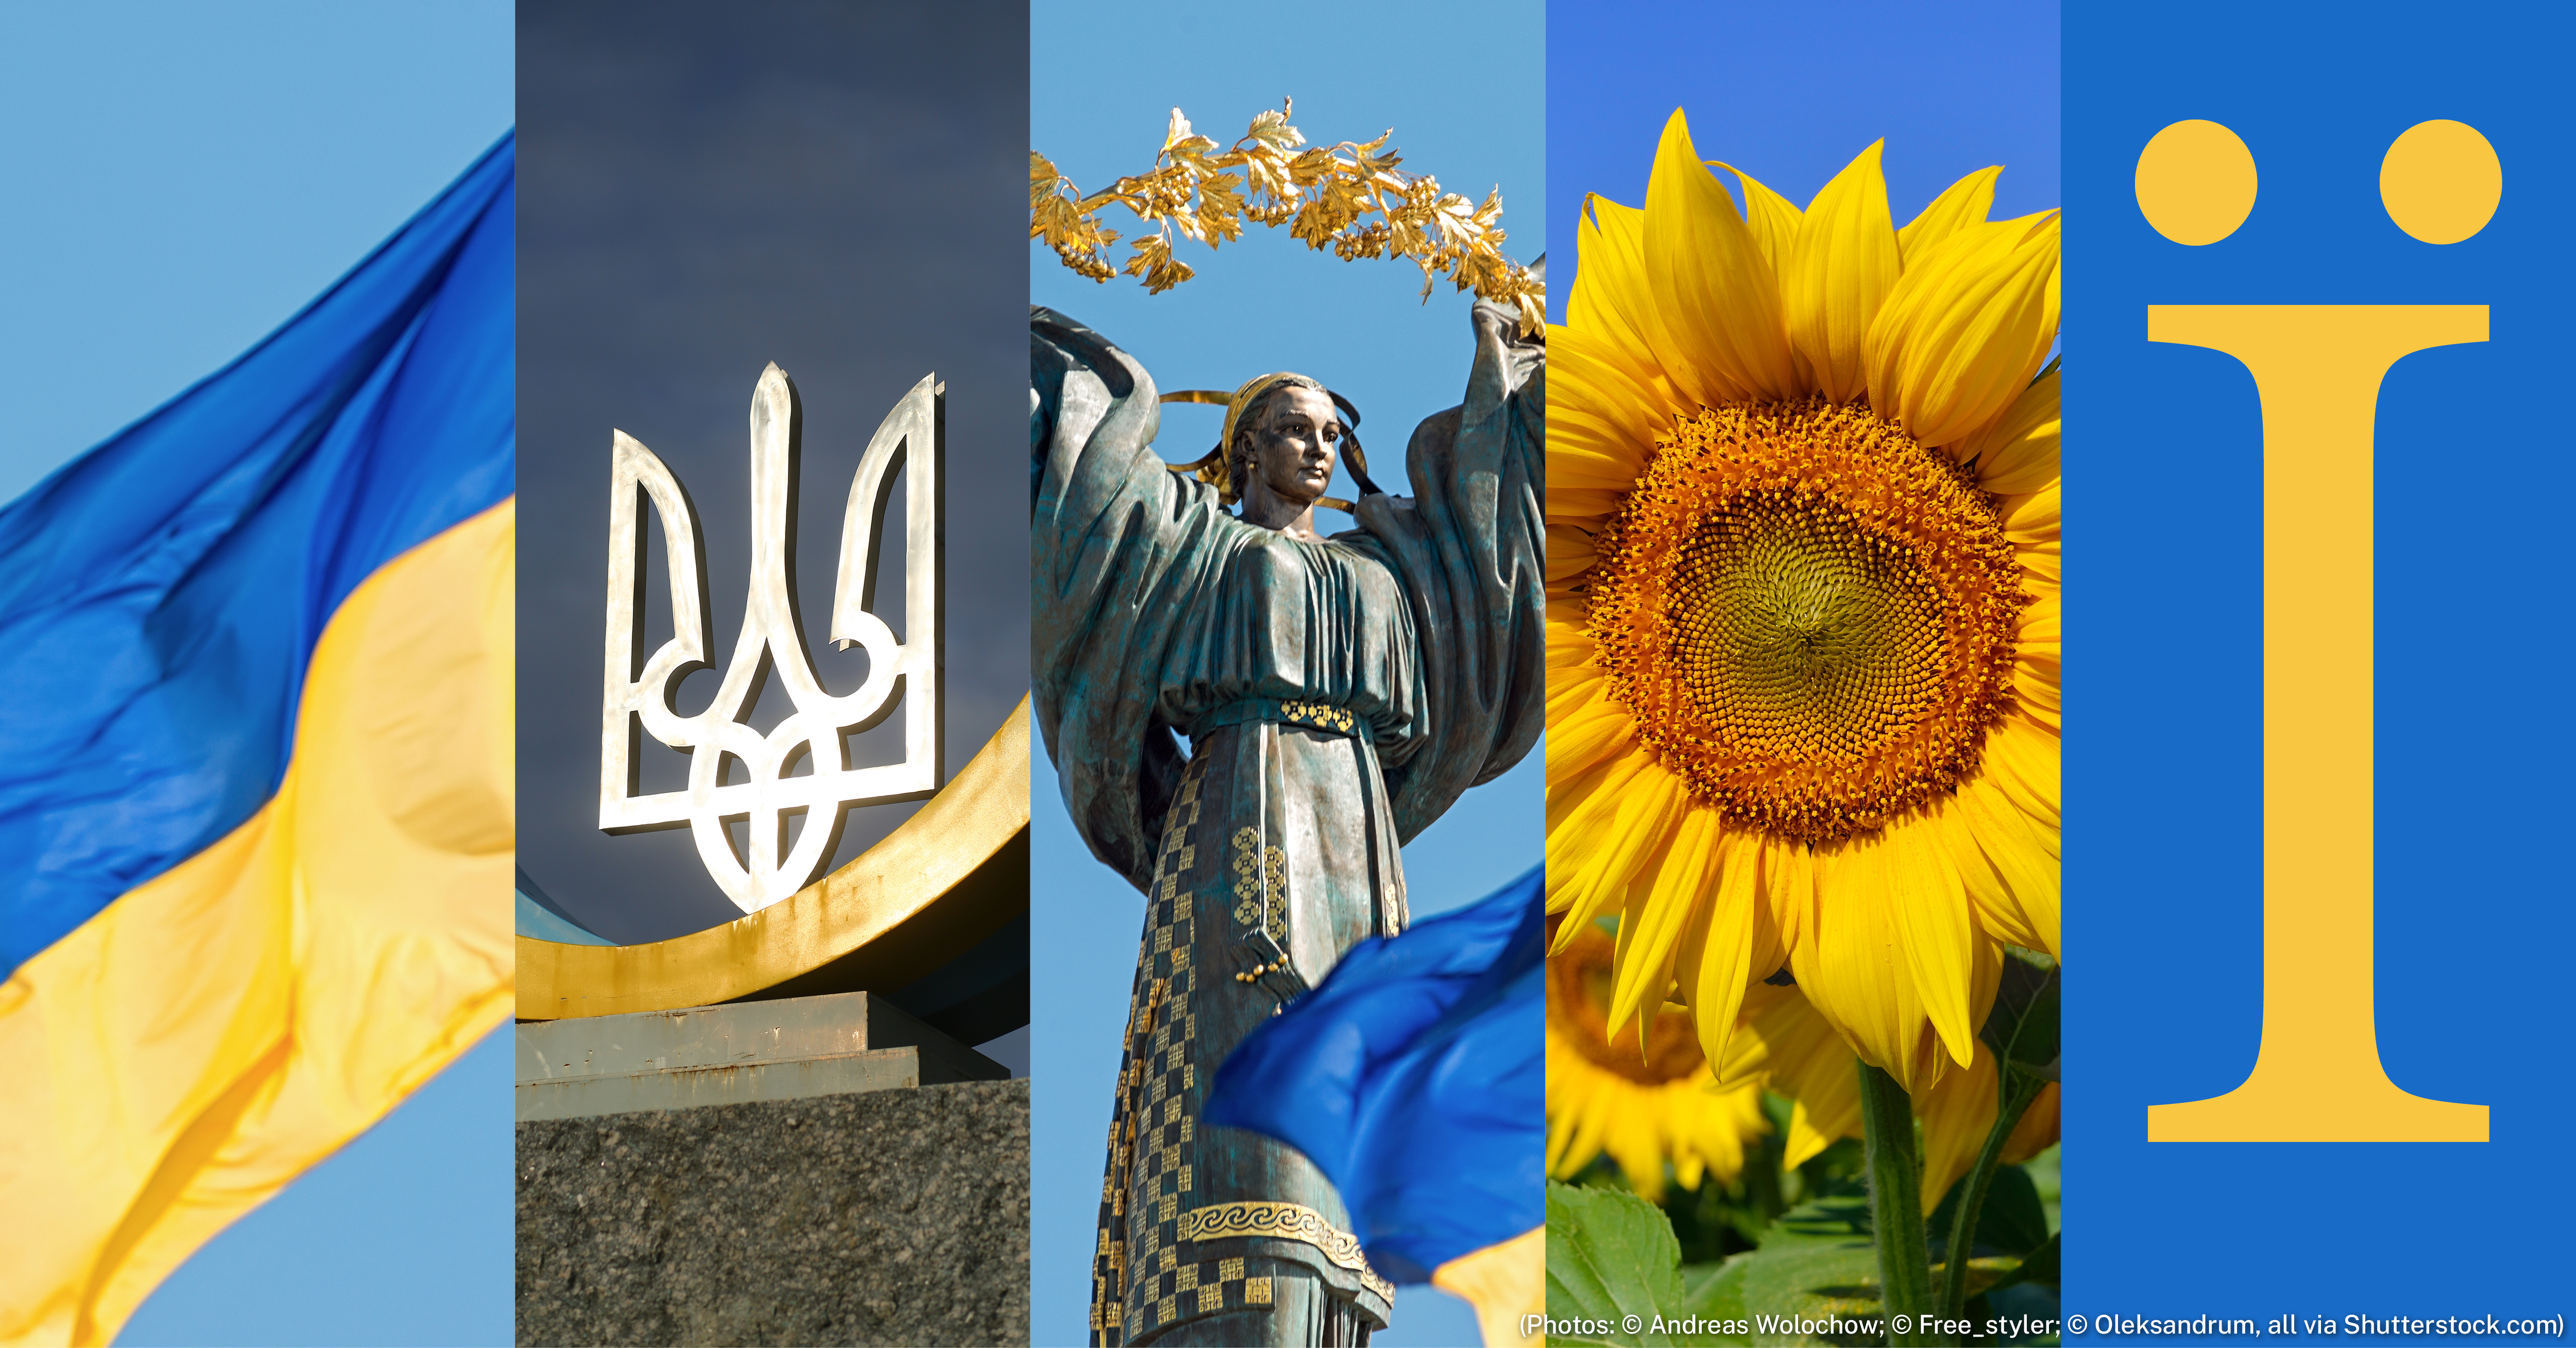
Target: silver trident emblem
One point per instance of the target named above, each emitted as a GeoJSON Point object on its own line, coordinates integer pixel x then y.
{"type": "Point", "coordinates": [802, 767]}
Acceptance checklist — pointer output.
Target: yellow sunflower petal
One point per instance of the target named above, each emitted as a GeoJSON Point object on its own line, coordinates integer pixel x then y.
{"type": "Point", "coordinates": [2040, 563]}
{"type": "Point", "coordinates": [1588, 734]}
{"type": "Point", "coordinates": [2019, 454]}
{"type": "Point", "coordinates": [1570, 669]}
{"type": "Point", "coordinates": [1768, 214]}
{"type": "Point", "coordinates": [1601, 423]}
{"type": "Point", "coordinates": [1999, 910]}
{"type": "Point", "coordinates": [2024, 855]}
{"type": "Point", "coordinates": [1646, 1109]}
{"type": "Point", "coordinates": [1783, 1040]}
{"type": "Point", "coordinates": [1838, 274]}
{"type": "Point", "coordinates": [1573, 1135]}
{"type": "Point", "coordinates": [1633, 1144]}
{"type": "Point", "coordinates": [1957, 1114]}
{"type": "Point", "coordinates": [1613, 834]}
{"type": "Point", "coordinates": [1789, 889]}
{"type": "Point", "coordinates": [2037, 640]}
{"type": "Point", "coordinates": [1720, 954]}
{"type": "Point", "coordinates": [1569, 657]}
{"type": "Point", "coordinates": [2033, 516]}
{"type": "Point", "coordinates": [1942, 945]}
{"type": "Point", "coordinates": [2022, 759]}
{"type": "Point", "coordinates": [1565, 699]}
{"type": "Point", "coordinates": [1662, 900]}
{"type": "Point", "coordinates": [1962, 333]}
{"type": "Point", "coordinates": [1571, 688]}
{"type": "Point", "coordinates": [2037, 1131]}
{"type": "Point", "coordinates": [1628, 402]}
{"type": "Point", "coordinates": [2035, 689]}
{"type": "Point", "coordinates": [1962, 204]}
{"type": "Point", "coordinates": [1853, 968]}
{"type": "Point", "coordinates": [1774, 223]}
{"type": "Point", "coordinates": [1571, 792]}
{"type": "Point", "coordinates": [1610, 299]}
{"type": "Point", "coordinates": [1717, 330]}
{"type": "Point", "coordinates": [1566, 615]}
{"type": "Point", "coordinates": [1591, 505]}
{"type": "Point", "coordinates": [1570, 553]}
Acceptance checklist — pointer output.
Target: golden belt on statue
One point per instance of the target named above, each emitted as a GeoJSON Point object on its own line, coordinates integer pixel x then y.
{"type": "Point", "coordinates": [1324, 716]}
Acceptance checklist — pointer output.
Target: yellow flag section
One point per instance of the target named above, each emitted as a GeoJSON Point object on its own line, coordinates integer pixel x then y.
{"type": "Point", "coordinates": [184, 1055]}
{"type": "Point", "coordinates": [1506, 1283]}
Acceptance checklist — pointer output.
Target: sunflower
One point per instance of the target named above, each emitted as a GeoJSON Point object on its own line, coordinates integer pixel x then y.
{"type": "Point", "coordinates": [1642, 1100]}
{"type": "Point", "coordinates": [1803, 603]}
{"type": "Point", "coordinates": [1781, 1042]}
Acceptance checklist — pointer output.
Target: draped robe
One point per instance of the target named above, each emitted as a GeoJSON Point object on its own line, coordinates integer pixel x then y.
{"type": "Point", "coordinates": [1337, 697]}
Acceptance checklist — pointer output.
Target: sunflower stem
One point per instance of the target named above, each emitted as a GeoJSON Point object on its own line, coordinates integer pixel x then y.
{"type": "Point", "coordinates": [1896, 1204]}
{"type": "Point", "coordinates": [2018, 1090]}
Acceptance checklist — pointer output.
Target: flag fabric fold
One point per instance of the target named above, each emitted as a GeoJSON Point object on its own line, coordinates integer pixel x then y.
{"type": "Point", "coordinates": [1415, 1078]}
{"type": "Point", "coordinates": [256, 791]}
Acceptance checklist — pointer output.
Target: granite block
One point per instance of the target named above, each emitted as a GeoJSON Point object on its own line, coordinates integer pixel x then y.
{"type": "Point", "coordinates": [891, 1217]}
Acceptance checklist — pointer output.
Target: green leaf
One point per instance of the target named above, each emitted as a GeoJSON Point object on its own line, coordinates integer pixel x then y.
{"type": "Point", "coordinates": [2022, 1027]}
{"type": "Point", "coordinates": [1816, 1262]}
{"type": "Point", "coordinates": [1837, 1221]}
{"type": "Point", "coordinates": [1808, 1281]}
{"type": "Point", "coordinates": [1716, 1292]}
{"type": "Point", "coordinates": [2040, 1265]}
{"type": "Point", "coordinates": [1609, 1255]}
{"type": "Point", "coordinates": [2013, 1221]}
{"type": "Point", "coordinates": [2043, 1173]}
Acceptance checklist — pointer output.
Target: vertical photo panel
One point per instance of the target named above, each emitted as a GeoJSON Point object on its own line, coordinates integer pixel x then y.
{"type": "Point", "coordinates": [772, 881]}
{"type": "Point", "coordinates": [1288, 416]}
{"type": "Point", "coordinates": [256, 374]}
{"type": "Point", "coordinates": [1802, 769]}
{"type": "Point", "coordinates": [2319, 986]}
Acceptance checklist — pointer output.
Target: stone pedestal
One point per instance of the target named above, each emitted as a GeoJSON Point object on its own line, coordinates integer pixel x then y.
{"type": "Point", "coordinates": [800, 1182]}
{"type": "Point", "coordinates": [793, 1048]}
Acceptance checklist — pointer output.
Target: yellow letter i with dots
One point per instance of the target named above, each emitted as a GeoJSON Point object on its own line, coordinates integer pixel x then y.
{"type": "Point", "coordinates": [2317, 369]}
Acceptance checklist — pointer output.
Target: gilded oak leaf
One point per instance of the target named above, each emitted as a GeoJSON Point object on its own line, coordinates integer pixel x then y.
{"type": "Point", "coordinates": [1350, 197]}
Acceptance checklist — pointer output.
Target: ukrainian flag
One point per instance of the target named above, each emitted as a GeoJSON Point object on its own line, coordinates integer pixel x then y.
{"type": "Point", "coordinates": [1415, 1078]}
{"type": "Point", "coordinates": [256, 769]}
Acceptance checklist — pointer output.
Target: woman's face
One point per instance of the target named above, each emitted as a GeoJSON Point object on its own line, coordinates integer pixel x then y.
{"type": "Point", "coordinates": [1294, 448]}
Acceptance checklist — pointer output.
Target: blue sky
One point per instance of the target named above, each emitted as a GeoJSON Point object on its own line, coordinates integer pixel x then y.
{"type": "Point", "coordinates": [1790, 93]}
{"type": "Point", "coordinates": [1463, 86]}
{"type": "Point", "coordinates": [182, 179]}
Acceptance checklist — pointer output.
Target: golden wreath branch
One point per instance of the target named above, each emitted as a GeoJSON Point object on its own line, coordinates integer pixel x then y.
{"type": "Point", "coordinates": [1349, 197]}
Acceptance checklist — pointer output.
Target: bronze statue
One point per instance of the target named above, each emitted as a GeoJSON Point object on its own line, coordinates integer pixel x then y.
{"type": "Point", "coordinates": [1337, 696]}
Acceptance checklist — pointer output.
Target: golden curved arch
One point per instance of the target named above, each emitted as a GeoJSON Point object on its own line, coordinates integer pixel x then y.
{"type": "Point", "coordinates": [945, 879]}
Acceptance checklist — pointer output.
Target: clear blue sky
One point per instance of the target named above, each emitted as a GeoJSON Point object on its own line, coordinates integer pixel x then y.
{"type": "Point", "coordinates": [181, 179]}
{"type": "Point", "coordinates": [1790, 93]}
{"type": "Point", "coordinates": [1464, 87]}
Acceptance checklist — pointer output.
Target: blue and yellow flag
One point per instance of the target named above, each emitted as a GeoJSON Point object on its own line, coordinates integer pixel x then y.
{"type": "Point", "coordinates": [256, 769]}
{"type": "Point", "coordinates": [1415, 1078]}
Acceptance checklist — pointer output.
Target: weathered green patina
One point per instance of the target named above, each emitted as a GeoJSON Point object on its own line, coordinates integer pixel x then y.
{"type": "Point", "coordinates": [1338, 696]}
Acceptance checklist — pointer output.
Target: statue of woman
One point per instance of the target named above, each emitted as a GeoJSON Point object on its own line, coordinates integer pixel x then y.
{"type": "Point", "coordinates": [1337, 695]}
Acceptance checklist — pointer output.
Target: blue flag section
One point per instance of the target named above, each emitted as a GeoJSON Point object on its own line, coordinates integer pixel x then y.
{"type": "Point", "coordinates": [162, 594]}
{"type": "Point", "coordinates": [1415, 1078]}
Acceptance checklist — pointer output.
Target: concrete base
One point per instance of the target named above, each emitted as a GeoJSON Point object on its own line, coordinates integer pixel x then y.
{"type": "Point", "coordinates": [893, 1217]}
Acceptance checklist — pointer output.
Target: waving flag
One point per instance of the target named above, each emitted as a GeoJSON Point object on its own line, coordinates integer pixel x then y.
{"type": "Point", "coordinates": [256, 814]}
{"type": "Point", "coordinates": [1415, 1078]}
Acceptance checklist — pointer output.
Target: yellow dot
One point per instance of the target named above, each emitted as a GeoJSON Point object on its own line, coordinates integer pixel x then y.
{"type": "Point", "coordinates": [2196, 182]}
{"type": "Point", "coordinates": [2441, 181]}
